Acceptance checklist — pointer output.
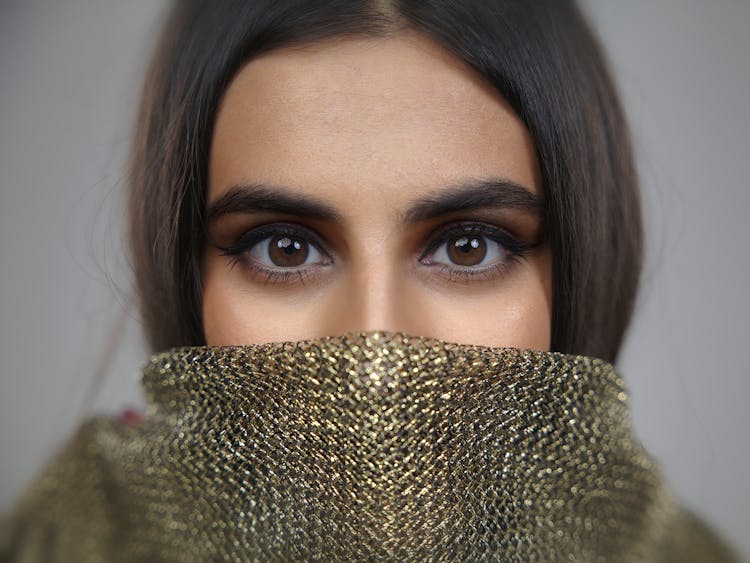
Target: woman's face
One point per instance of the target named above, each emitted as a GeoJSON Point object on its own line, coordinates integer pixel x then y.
{"type": "Point", "coordinates": [372, 184]}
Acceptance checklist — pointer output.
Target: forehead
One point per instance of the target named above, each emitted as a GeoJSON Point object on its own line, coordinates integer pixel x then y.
{"type": "Point", "coordinates": [365, 116]}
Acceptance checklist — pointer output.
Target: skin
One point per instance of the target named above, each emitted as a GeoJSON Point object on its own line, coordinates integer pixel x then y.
{"type": "Point", "coordinates": [367, 126]}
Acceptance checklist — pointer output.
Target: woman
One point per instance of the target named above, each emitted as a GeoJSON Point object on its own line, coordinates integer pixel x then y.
{"type": "Point", "coordinates": [426, 216]}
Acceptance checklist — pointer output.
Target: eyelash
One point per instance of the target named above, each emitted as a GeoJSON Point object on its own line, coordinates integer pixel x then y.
{"type": "Point", "coordinates": [237, 251]}
{"type": "Point", "coordinates": [514, 249]}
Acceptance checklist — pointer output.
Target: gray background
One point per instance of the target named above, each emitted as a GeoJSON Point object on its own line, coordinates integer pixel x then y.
{"type": "Point", "coordinates": [69, 77]}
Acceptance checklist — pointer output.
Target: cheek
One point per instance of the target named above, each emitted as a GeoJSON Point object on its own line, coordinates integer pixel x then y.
{"type": "Point", "coordinates": [520, 324]}
{"type": "Point", "coordinates": [518, 316]}
{"type": "Point", "coordinates": [238, 313]}
{"type": "Point", "coordinates": [226, 318]}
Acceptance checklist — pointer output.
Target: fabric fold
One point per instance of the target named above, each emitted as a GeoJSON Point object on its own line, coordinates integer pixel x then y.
{"type": "Point", "coordinates": [371, 445]}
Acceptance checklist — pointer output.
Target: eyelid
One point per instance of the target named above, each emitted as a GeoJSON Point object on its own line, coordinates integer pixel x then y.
{"type": "Point", "coordinates": [262, 232]}
{"type": "Point", "coordinates": [444, 233]}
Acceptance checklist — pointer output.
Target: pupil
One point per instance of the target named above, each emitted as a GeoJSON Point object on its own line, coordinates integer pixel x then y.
{"type": "Point", "coordinates": [467, 245]}
{"type": "Point", "coordinates": [289, 246]}
{"type": "Point", "coordinates": [287, 251]}
{"type": "Point", "coordinates": [467, 251]}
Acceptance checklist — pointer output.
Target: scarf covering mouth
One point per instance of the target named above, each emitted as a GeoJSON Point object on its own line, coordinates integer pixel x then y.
{"type": "Point", "coordinates": [371, 445]}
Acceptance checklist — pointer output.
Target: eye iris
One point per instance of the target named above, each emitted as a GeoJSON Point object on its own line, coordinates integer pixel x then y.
{"type": "Point", "coordinates": [287, 251]}
{"type": "Point", "coordinates": [467, 251]}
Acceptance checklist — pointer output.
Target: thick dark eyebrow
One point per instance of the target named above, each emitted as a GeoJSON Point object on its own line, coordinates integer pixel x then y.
{"type": "Point", "coordinates": [252, 198]}
{"type": "Point", "coordinates": [478, 194]}
{"type": "Point", "coordinates": [497, 193]}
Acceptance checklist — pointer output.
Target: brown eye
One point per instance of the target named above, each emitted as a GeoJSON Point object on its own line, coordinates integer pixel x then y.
{"type": "Point", "coordinates": [287, 252]}
{"type": "Point", "coordinates": [466, 250]}
{"type": "Point", "coordinates": [282, 250]}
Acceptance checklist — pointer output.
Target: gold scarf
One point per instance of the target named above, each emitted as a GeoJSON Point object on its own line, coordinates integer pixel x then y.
{"type": "Point", "coordinates": [373, 445]}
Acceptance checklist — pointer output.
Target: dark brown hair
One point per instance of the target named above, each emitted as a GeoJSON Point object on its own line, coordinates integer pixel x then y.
{"type": "Point", "coordinates": [540, 56]}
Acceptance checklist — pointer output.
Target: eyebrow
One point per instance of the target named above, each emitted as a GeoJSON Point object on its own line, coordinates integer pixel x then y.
{"type": "Point", "coordinates": [475, 194]}
{"type": "Point", "coordinates": [253, 198]}
{"type": "Point", "coordinates": [479, 194]}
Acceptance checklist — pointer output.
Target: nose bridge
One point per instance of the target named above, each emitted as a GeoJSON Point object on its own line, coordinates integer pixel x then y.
{"type": "Point", "coordinates": [376, 298]}
{"type": "Point", "coordinates": [371, 297]}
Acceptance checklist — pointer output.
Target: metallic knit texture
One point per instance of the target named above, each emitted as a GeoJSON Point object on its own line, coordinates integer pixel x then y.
{"type": "Point", "coordinates": [365, 446]}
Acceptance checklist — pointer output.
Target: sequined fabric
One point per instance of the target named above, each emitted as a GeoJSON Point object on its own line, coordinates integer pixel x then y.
{"type": "Point", "coordinates": [366, 446]}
